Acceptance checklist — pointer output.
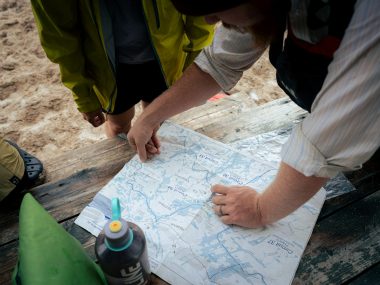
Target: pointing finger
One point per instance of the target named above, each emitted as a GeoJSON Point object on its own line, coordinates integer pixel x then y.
{"type": "Point", "coordinates": [142, 152]}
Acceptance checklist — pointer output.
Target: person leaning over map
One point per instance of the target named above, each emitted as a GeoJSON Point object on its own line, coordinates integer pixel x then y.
{"type": "Point", "coordinates": [329, 64]}
{"type": "Point", "coordinates": [114, 54]}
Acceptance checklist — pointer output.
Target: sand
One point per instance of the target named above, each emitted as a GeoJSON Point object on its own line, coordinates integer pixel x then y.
{"type": "Point", "coordinates": [38, 112]}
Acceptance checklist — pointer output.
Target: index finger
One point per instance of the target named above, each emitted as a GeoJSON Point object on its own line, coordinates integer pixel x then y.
{"type": "Point", "coordinates": [138, 148]}
{"type": "Point", "coordinates": [219, 189]}
{"type": "Point", "coordinates": [141, 151]}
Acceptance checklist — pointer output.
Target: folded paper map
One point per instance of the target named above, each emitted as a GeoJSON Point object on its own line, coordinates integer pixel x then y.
{"type": "Point", "coordinates": [169, 197]}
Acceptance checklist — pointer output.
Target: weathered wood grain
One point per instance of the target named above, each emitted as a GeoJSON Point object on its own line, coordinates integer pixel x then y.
{"type": "Point", "coordinates": [334, 249]}
{"type": "Point", "coordinates": [110, 152]}
{"type": "Point", "coordinates": [343, 245]}
{"type": "Point", "coordinates": [63, 198]}
{"type": "Point", "coordinates": [368, 277]}
{"type": "Point", "coordinates": [277, 114]}
{"type": "Point", "coordinates": [366, 181]}
{"type": "Point", "coordinates": [72, 179]}
{"type": "Point", "coordinates": [346, 232]}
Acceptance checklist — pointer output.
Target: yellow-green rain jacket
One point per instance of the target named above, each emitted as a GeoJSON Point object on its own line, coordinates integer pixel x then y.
{"type": "Point", "coordinates": [77, 34]}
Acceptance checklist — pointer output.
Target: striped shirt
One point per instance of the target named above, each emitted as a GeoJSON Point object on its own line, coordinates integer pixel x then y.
{"type": "Point", "coordinates": [343, 129]}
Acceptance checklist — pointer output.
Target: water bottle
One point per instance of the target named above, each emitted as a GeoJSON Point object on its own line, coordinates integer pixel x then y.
{"type": "Point", "coordinates": [121, 251]}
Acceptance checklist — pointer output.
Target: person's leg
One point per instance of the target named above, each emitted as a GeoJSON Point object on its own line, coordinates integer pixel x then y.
{"type": "Point", "coordinates": [157, 84]}
{"type": "Point", "coordinates": [120, 123]}
{"type": "Point", "coordinates": [130, 91]}
{"type": "Point", "coordinates": [156, 87]}
{"type": "Point", "coordinates": [128, 95]}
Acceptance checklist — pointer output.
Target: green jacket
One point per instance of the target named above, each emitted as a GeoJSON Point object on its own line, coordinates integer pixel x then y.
{"type": "Point", "coordinates": [77, 35]}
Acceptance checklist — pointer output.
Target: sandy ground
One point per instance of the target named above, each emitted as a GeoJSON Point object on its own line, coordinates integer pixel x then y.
{"type": "Point", "coordinates": [38, 112]}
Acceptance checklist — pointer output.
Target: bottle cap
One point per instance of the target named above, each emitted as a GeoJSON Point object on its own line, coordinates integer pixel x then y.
{"type": "Point", "coordinates": [118, 235]}
{"type": "Point", "coordinates": [115, 226]}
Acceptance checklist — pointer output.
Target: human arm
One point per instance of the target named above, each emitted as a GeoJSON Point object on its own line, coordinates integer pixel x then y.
{"type": "Point", "coordinates": [340, 134]}
{"type": "Point", "coordinates": [191, 90]}
{"type": "Point", "coordinates": [342, 131]}
{"type": "Point", "coordinates": [245, 207]}
{"type": "Point", "coordinates": [58, 23]}
{"type": "Point", "coordinates": [219, 66]}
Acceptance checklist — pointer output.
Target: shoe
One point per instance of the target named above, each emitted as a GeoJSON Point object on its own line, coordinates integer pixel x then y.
{"type": "Point", "coordinates": [33, 166]}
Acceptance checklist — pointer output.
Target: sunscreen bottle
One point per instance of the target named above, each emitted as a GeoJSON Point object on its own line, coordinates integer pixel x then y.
{"type": "Point", "coordinates": [121, 251]}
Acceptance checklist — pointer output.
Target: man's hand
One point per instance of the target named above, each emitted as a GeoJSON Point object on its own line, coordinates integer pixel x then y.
{"type": "Point", "coordinates": [245, 207]}
{"type": "Point", "coordinates": [95, 118]}
{"type": "Point", "coordinates": [143, 138]}
{"type": "Point", "coordinates": [238, 205]}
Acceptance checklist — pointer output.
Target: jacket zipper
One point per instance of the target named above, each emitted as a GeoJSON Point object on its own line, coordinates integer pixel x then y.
{"type": "Point", "coordinates": [155, 8]}
{"type": "Point", "coordinates": [113, 93]}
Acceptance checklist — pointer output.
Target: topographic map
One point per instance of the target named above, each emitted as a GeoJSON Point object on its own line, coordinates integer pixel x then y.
{"type": "Point", "coordinates": [169, 198]}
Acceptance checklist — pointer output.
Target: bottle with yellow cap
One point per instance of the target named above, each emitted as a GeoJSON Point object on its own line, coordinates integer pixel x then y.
{"type": "Point", "coordinates": [121, 251]}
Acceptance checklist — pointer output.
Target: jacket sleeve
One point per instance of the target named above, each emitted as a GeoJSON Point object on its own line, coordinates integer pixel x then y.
{"type": "Point", "coordinates": [60, 35]}
{"type": "Point", "coordinates": [200, 35]}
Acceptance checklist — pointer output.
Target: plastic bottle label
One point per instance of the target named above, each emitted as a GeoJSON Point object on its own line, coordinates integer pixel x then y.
{"type": "Point", "coordinates": [133, 275]}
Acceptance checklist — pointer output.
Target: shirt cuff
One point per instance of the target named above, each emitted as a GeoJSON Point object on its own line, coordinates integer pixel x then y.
{"type": "Point", "coordinates": [299, 153]}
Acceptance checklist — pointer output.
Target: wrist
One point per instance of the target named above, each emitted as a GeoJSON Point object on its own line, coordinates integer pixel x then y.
{"type": "Point", "coordinates": [154, 114]}
{"type": "Point", "coordinates": [259, 211]}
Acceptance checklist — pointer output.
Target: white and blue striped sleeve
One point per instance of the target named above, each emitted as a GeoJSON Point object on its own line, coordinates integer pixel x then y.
{"type": "Point", "coordinates": [343, 129]}
{"type": "Point", "coordinates": [229, 55]}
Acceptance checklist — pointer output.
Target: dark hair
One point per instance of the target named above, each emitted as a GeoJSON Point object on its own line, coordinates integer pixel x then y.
{"type": "Point", "coordinates": [204, 7]}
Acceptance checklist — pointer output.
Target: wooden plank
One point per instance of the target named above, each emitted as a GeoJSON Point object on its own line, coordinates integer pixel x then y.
{"type": "Point", "coordinates": [343, 245]}
{"type": "Point", "coordinates": [280, 113]}
{"type": "Point", "coordinates": [370, 277]}
{"type": "Point", "coordinates": [73, 184]}
{"type": "Point", "coordinates": [337, 250]}
{"type": "Point", "coordinates": [113, 152]}
{"type": "Point", "coordinates": [8, 256]}
{"type": "Point", "coordinates": [365, 180]}
{"type": "Point", "coordinates": [72, 180]}
{"type": "Point", "coordinates": [212, 112]}
{"type": "Point", "coordinates": [63, 198]}
{"type": "Point", "coordinates": [86, 239]}
{"type": "Point", "coordinates": [209, 111]}
{"type": "Point", "coordinates": [89, 168]}
{"type": "Point", "coordinates": [8, 260]}
{"type": "Point", "coordinates": [335, 204]}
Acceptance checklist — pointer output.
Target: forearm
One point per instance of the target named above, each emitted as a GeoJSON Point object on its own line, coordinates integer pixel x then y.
{"type": "Point", "coordinates": [290, 190]}
{"type": "Point", "coordinates": [191, 90]}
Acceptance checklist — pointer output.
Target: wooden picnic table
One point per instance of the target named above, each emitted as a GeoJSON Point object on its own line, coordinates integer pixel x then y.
{"type": "Point", "coordinates": [344, 246]}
